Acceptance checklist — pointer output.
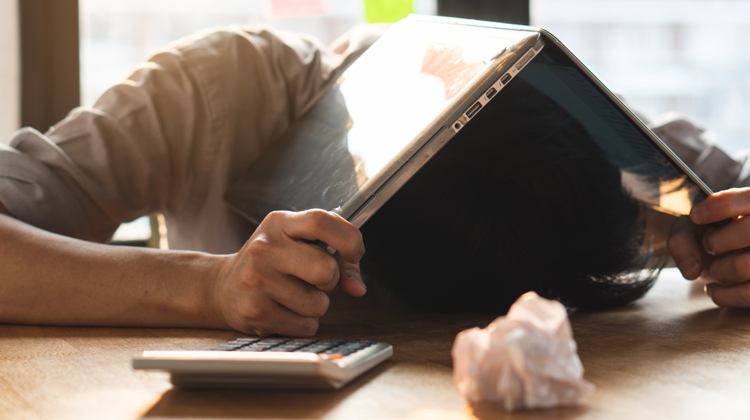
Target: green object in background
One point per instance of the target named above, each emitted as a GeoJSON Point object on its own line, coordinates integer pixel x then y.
{"type": "Point", "coordinates": [378, 11]}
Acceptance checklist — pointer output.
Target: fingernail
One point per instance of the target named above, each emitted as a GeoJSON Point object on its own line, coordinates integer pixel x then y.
{"type": "Point", "coordinates": [688, 267]}
{"type": "Point", "coordinates": [705, 245]}
{"type": "Point", "coordinates": [356, 277]}
{"type": "Point", "coordinates": [699, 214]}
{"type": "Point", "coordinates": [707, 290]}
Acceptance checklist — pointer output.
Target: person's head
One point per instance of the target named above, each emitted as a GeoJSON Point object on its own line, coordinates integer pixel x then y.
{"type": "Point", "coordinates": [521, 199]}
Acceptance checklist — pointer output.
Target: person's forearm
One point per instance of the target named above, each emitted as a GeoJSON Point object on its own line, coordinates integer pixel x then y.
{"type": "Point", "coordinates": [54, 280]}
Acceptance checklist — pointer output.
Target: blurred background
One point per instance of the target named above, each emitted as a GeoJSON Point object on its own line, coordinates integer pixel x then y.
{"type": "Point", "coordinates": [688, 56]}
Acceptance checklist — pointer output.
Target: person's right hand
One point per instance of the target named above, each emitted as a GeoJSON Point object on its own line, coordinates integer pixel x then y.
{"type": "Point", "coordinates": [278, 282]}
{"type": "Point", "coordinates": [719, 255]}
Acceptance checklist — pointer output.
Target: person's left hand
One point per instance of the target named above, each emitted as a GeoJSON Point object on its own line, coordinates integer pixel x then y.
{"type": "Point", "coordinates": [719, 255]}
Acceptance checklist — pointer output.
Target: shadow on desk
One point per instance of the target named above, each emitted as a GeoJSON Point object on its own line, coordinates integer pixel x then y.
{"type": "Point", "coordinates": [250, 404]}
{"type": "Point", "coordinates": [488, 412]}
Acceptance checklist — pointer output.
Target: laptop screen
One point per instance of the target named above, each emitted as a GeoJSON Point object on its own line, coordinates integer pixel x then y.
{"type": "Point", "coordinates": [647, 173]}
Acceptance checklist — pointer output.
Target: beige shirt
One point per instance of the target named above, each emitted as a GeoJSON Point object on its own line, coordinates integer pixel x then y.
{"type": "Point", "coordinates": [172, 136]}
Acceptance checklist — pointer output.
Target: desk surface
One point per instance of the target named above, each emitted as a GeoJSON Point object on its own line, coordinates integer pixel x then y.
{"type": "Point", "coordinates": [671, 355]}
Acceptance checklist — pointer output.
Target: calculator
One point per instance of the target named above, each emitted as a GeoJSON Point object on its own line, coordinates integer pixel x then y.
{"type": "Point", "coordinates": [269, 363]}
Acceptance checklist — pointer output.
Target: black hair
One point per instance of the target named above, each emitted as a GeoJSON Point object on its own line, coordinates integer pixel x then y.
{"type": "Point", "coordinates": [521, 199]}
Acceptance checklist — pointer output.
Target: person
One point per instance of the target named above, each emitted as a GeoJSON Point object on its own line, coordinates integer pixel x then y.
{"type": "Point", "coordinates": [169, 139]}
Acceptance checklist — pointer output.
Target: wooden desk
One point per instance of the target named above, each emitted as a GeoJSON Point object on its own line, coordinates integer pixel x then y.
{"type": "Point", "coordinates": [672, 355]}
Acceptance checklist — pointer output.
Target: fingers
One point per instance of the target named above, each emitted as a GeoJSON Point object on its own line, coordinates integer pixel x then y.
{"type": "Point", "coordinates": [277, 283]}
{"type": "Point", "coordinates": [730, 269]}
{"type": "Point", "coordinates": [732, 236]}
{"type": "Point", "coordinates": [685, 249]}
{"type": "Point", "coordinates": [725, 266]}
{"type": "Point", "coordinates": [300, 297]}
{"type": "Point", "coordinates": [721, 253]}
{"type": "Point", "coordinates": [324, 271]}
{"type": "Point", "coordinates": [735, 296]}
{"type": "Point", "coordinates": [272, 318]}
{"type": "Point", "coordinates": [311, 263]}
{"type": "Point", "coordinates": [350, 277]}
{"type": "Point", "coordinates": [306, 262]}
{"type": "Point", "coordinates": [328, 227]}
{"type": "Point", "coordinates": [728, 204]}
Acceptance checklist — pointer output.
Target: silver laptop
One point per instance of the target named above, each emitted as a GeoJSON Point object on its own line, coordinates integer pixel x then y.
{"type": "Point", "coordinates": [413, 91]}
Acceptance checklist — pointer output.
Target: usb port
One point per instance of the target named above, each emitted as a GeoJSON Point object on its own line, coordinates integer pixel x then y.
{"type": "Point", "coordinates": [505, 78]}
{"type": "Point", "coordinates": [490, 93]}
{"type": "Point", "coordinates": [473, 110]}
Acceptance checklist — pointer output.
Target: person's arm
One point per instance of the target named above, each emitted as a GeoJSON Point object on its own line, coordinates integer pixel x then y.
{"type": "Point", "coordinates": [276, 284]}
{"type": "Point", "coordinates": [53, 279]}
{"type": "Point", "coordinates": [718, 254]}
{"type": "Point", "coordinates": [166, 140]}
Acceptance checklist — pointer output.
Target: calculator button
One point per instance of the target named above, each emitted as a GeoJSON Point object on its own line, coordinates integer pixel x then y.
{"type": "Point", "coordinates": [255, 348]}
{"type": "Point", "coordinates": [225, 347]}
{"type": "Point", "coordinates": [284, 348]}
{"type": "Point", "coordinates": [327, 347]}
{"type": "Point", "coordinates": [247, 340]}
{"type": "Point", "coordinates": [303, 341]}
{"type": "Point", "coordinates": [273, 341]}
{"type": "Point", "coordinates": [312, 349]}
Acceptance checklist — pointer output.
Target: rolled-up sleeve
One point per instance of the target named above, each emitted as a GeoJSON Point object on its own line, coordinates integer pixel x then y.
{"type": "Point", "coordinates": [698, 149]}
{"type": "Point", "coordinates": [32, 192]}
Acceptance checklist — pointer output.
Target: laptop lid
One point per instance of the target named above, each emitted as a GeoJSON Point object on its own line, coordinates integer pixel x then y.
{"type": "Point", "coordinates": [386, 115]}
{"type": "Point", "coordinates": [418, 86]}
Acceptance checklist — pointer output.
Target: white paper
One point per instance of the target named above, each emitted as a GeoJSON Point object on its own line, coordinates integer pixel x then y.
{"type": "Point", "coordinates": [526, 359]}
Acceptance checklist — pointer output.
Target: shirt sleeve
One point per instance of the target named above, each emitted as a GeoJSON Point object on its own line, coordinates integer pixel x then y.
{"type": "Point", "coordinates": [183, 123]}
{"type": "Point", "coordinates": [697, 148]}
{"type": "Point", "coordinates": [42, 198]}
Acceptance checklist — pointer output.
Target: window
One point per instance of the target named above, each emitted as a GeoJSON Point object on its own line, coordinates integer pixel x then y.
{"type": "Point", "coordinates": [118, 34]}
{"type": "Point", "coordinates": [689, 56]}
{"type": "Point", "coordinates": [10, 118]}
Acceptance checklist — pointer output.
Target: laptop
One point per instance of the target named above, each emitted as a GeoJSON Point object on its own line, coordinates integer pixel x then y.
{"type": "Point", "coordinates": [415, 89]}
{"type": "Point", "coordinates": [393, 109]}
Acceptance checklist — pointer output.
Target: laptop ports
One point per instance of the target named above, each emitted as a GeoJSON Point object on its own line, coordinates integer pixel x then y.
{"type": "Point", "coordinates": [506, 77]}
{"type": "Point", "coordinates": [473, 110]}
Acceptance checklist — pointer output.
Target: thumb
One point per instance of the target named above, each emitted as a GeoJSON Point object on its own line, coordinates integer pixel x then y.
{"type": "Point", "coordinates": [350, 280]}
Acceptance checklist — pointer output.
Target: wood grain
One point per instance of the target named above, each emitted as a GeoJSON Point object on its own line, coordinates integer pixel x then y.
{"type": "Point", "coordinates": [671, 355]}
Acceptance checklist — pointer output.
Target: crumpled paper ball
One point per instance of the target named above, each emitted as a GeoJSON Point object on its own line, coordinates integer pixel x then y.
{"type": "Point", "coordinates": [526, 359]}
